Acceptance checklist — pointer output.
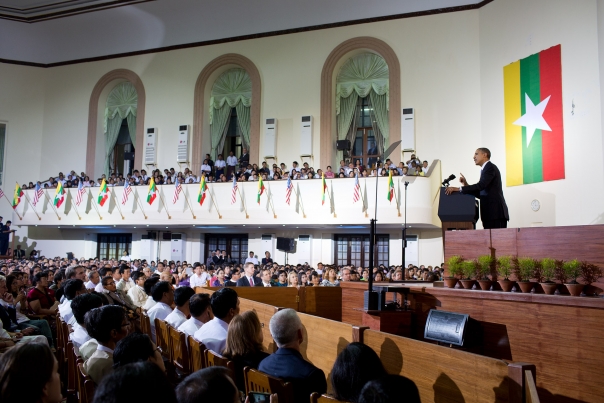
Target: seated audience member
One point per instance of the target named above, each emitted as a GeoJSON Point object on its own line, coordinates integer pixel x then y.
{"type": "Point", "coordinates": [287, 363]}
{"type": "Point", "coordinates": [248, 279]}
{"type": "Point", "coordinates": [200, 277]}
{"type": "Point", "coordinates": [397, 275]}
{"type": "Point", "coordinates": [137, 294]}
{"type": "Point", "coordinates": [213, 384]}
{"type": "Point", "coordinates": [41, 300]}
{"type": "Point", "coordinates": [179, 315]}
{"type": "Point", "coordinates": [235, 276]}
{"type": "Point", "coordinates": [149, 283]}
{"type": "Point", "coordinates": [281, 279]}
{"type": "Point", "coordinates": [225, 306]}
{"type": "Point", "coordinates": [390, 389]}
{"type": "Point", "coordinates": [112, 297]}
{"type": "Point", "coordinates": [292, 279]}
{"type": "Point", "coordinates": [80, 306]}
{"type": "Point", "coordinates": [331, 278]}
{"type": "Point", "coordinates": [93, 280]}
{"type": "Point", "coordinates": [163, 295]}
{"type": "Point", "coordinates": [108, 325]}
{"type": "Point", "coordinates": [244, 343]}
{"type": "Point", "coordinates": [138, 382]}
{"type": "Point", "coordinates": [136, 347]}
{"type": "Point", "coordinates": [266, 278]}
{"type": "Point", "coordinates": [25, 382]}
{"type": "Point", "coordinates": [356, 365]}
{"type": "Point", "coordinates": [379, 277]}
{"type": "Point", "coordinates": [201, 313]}
{"type": "Point", "coordinates": [71, 289]}
{"type": "Point", "coordinates": [315, 279]}
{"type": "Point", "coordinates": [103, 272]}
{"type": "Point", "coordinates": [125, 283]}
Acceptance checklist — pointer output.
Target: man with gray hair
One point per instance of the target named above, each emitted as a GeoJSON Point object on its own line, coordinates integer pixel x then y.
{"type": "Point", "coordinates": [287, 363]}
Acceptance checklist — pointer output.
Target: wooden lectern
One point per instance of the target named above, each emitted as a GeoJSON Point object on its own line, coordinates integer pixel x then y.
{"type": "Point", "coordinates": [457, 212]}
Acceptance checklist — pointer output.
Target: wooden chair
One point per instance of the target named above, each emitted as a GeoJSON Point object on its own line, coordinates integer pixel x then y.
{"type": "Point", "coordinates": [256, 381]}
{"type": "Point", "coordinates": [86, 385]}
{"type": "Point", "coordinates": [179, 352]}
{"type": "Point", "coordinates": [145, 324]}
{"type": "Point", "coordinates": [318, 398]}
{"type": "Point", "coordinates": [73, 356]}
{"type": "Point", "coordinates": [216, 360]}
{"type": "Point", "coordinates": [196, 354]}
{"type": "Point", "coordinates": [162, 335]}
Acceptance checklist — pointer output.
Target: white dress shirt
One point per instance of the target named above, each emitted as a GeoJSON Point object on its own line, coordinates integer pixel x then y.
{"type": "Point", "coordinates": [149, 304]}
{"type": "Point", "coordinates": [99, 287]}
{"type": "Point", "coordinates": [79, 336]}
{"type": "Point", "coordinates": [251, 259]}
{"type": "Point", "coordinates": [190, 326]}
{"type": "Point", "coordinates": [266, 284]}
{"type": "Point", "coordinates": [90, 285]}
{"type": "Point", "coordinates": [213, 334]}
{"type": "Point", "coordinates": [65, 311]}
{"type": "Point", "coordinates": [138, 296]}
{"type": "Point", "coordinates": [176, 318]}
{"type": "Point", "coordinates": [125, 286]}
{"type": "Point", "coordinates": [159, 311]}
{"type": "Point", "coordinates": [198, 281]}
{"type": "Point", "coordinates": [231, 161]}
{"type": "Point", "coordinates": [220, 164]}
{"type": "Point", "coordinates": [88, 348]}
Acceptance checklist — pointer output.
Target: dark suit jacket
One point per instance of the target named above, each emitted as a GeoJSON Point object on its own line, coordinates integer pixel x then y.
{"type": "Point", "coordinates": [243, 282]}
{"type": "Point", "coordinates": [289, 365]}
{"type": "Point", "coordinates": [19, 253]}
{"type": "Point", "coordinates": [489, 190]}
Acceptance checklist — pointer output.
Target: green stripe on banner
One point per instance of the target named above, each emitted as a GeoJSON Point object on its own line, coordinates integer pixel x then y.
{"type": "Point", "coordinates": [532, 164]}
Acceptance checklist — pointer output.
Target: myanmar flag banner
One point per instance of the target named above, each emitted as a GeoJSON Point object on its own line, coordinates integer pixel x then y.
{"type": "Point", "coordinates": [17, 196]}
{"type": "Point", "coordinates": [59, 195]}
{"type": "Point", "coordinates": [323, 188]}
{"type": "Point", "coordinates": [202, 190]}
{"type": "Point", "coordinates": [152, 195]}
{"type": "Point", "coordinates": [103, 193]}
{"type": "Point", "coordinates": [390, 186]}
{"type": "Point", "coordinates": [534, 127]}
{"type": "Point", "coordinates": [260, 189]}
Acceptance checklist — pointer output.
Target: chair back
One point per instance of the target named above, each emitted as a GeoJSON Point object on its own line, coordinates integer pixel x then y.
{"type": "Point", "coordinates": [256, 381]}
{"type": "Point", "coordinates": [86, 385]}
{"type": "Point", "coordinates": [179, 351]}
{"type": "Point", "coordinates": [162, 334]}
{"type": "Point", "coordinates": [216, 360]}
{"type": "Point", "coordinates": [319, 398]}
{"type": "Point", "coordinates": [196, 354]}
{"type": "Point", "coordinates": [145, 324]}
{"type": "Point", "coordinates": [72, 353]}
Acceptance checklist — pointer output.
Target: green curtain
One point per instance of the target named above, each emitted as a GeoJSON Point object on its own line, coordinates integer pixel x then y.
{"type": "Point", "coordinates": [232, 89]}
{"type": "Point", "coordinates": [2, 144]}
{"type": "Point", "coordinates": [121, 104]}
{"type": "Point", "coordinates": [360, 76]}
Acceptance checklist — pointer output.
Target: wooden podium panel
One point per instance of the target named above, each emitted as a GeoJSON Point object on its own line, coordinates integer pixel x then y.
{"type": "Point", "coordinates": [394, 322]}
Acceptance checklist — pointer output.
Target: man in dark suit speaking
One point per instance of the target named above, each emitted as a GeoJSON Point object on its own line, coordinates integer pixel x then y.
{"type": "Point", "coordinates": [493, 210]}
{"type": "Point", "coordinates": [249, 280]}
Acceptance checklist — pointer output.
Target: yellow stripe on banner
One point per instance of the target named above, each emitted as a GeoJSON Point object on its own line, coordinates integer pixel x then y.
{"type": "Point", "coordinates": [513, 133]}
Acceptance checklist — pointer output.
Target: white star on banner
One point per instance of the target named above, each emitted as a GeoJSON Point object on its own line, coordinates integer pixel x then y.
{"type": "Point", "coordinates": [533, 118]}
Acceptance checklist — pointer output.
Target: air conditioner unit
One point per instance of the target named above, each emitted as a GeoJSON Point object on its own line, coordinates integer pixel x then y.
{"type": "Point", "coordinates": [177, 247]}
{"type": "Point", "coordinates": [306, 136]}
{"type": "Point", "coordinates": [408, 129]}
{"type": "Point", "coordinates": [270, 138]}
{"type": "Point", "coordinates": [151, 147]}
{"type": "Point", "coordinates": [183, 144]}
{"type": "Point", "coordinates": [303, 249]}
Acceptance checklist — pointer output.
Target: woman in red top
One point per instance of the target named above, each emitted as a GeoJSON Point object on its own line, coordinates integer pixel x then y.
{"type": "Point", "coordinates": [40, 298]}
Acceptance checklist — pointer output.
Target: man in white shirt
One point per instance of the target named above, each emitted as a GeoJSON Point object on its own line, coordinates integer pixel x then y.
{"type": "Point", "coordinates": [295, 167]}
{"type": "Point", "coordinates": [80, 305]}
{"type": "Point", "coordinates": [319, 268]}
{"type": "Point", "coordinates": [225, 305]}
{"type": "Point", "coordinates": [137, 294]}
{"type": "Point", "coordinates": [252, 259]}
{"type": "Point", "coordinates": [179, 315]}
{"type": "Point", "coordinates": [220, 164]}
{"type": "Point", "coordinates": [93, 279]}
{"type": "Point", "coordinates": [163, 294]}
{"type": "Point", "coordinates": [201, 313]}
{"type": "Point", "coordinates": [125, 283]}
{"type": "Point", "coordinates": [231, 162]}
{"type": "Point", "coordinates": [199, 277]}
{"type": "Point", "coordinates": [72, 288]}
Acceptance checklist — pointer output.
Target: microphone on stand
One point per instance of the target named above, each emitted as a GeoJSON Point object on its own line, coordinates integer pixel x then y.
{"type": "Point", "coordinates": [449, 179]}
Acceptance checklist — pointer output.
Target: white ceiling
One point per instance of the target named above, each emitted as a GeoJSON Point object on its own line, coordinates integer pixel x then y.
{"type": "Point", "coordinates": [162, 23]}
{"type": "Point", "coordinates": [37, 10]}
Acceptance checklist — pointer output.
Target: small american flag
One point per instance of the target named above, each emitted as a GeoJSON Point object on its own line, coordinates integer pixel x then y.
{"type": "Point", "coordinates": [37, 194]}
{"type": "Point", "coordinates": [177, 190]}
{"type": "Point", "coordinates": [127, 191]}
{"type": "Point", "coordinates": [1, 193]}
{"type": "Point", "coordinates": [81, 191]}
{"type": "Point", "coordinates": [234, 191]}
{"type": "Point", "coordinates": [356, 195]}
{"type": "Point", "coordinates": [288, 190]}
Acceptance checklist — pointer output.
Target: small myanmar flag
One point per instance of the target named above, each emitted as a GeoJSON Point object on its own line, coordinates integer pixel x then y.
{"type": "Point", "coordinates": [17, 196]}
{"type": "Point", "coordinates": [260, 189]}
{"type": "Point", "coordinates": [390, 186]}
{"type": "Point", "coordinates": [152, 192]}
{"type": "Point", "coordinates": [323, 188]}
{"type": "Point", "coordinates": [202, 190]}
{"type": "Point", "coordinates": [534, 127]}
{"type": "Point", "coordinates": [103, 193]}
{"type": "Point", "coordinates": [59, 195]}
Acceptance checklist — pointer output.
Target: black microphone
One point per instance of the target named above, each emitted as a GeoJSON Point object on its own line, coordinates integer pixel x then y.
{"type": "Point", "coordinates": [449, 179]}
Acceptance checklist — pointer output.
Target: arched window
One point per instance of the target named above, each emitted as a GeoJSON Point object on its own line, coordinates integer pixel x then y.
{"type": "Point", "coordinates": [362, 104]}
{"type": "Point", "coordinates": [231, 90]}
{"type": "Point", "coordinates": [120, 123]}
